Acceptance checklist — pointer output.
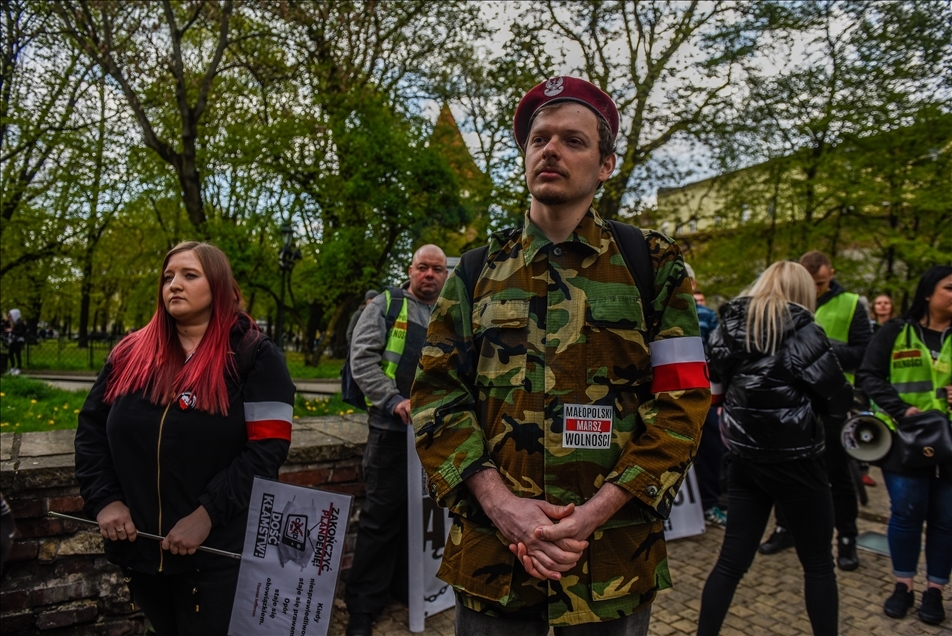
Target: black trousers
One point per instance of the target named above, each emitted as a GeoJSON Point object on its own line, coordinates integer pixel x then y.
{"type": "Point", "coordinates": [800, 489]}
{"type": "Point", "coordinates": [190, 604]}
{"type": "Point", "coordinates": [471, 623]}
{"type": "Point", "coordinates": [709, 460]}
{"type": "Point", "coordinates": [16, 355]}
{"type": "Point", "coordinates": [379, 570]}
{"type": "Point", "coordinates": [845, 505]}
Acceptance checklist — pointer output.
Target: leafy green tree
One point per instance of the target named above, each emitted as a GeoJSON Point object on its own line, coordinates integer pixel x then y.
{"type": "Point", "coordinates": [178, 67]}
{"type": "Point", "coordinates": [475, 189]}
{"type": "Point", "coordinates": [105, 191]}
{"type": "Point", "coordinates": [485, 87]}
{"type": "Point", "coordinates": [362, 215]}
{"type": "Point", "coordinates": [846, 146]}
{"type": "Point", "coordinates": [900, 210]}
{"type": "Point", "coordinates": [345, 141]}
{"type": "Point", "coordinates": [673, 69]}
{"type": "Point", "coordinates": [40, 88]}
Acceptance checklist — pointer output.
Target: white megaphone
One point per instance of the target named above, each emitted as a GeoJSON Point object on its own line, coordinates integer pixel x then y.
{"type": "Point", "coordinates": [866, 437]}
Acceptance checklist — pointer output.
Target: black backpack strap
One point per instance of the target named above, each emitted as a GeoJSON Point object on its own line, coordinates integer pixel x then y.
{"type": "Point", "coordinates": [472, 262]}
{"type": "Point", "coordinates": [246, 353]}
{"type": "Point", "coordinates": [470, 266]}
{"type": "Point", "coordinates": [394, 309]}
{"type": "Point", "coordinates": [349, 389]}
{"type": "Point", "coordinates": [634, 249]}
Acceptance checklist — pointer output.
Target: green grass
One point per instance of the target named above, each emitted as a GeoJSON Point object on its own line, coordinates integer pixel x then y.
{"type": "Point", "coordinates": [321, 406]}
{"type": "Point", "coordinates": [328, 368]}
{"type": "Point", "coordinates": [65, 355]}
{"type": "Point", "coordinates": [30, 405]}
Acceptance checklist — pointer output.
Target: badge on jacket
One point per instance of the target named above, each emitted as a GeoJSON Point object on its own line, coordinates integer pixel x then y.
{"type": "Point", "coordinates": [586, 426]}
{"type": "Point", "coordinates": [186, 401]}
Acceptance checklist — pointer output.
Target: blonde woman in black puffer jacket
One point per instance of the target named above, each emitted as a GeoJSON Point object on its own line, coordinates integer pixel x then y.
{"type": "Point", "coordinates": [779, 374]}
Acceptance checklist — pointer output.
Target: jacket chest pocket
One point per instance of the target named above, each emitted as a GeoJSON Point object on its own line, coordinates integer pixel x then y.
{"type": "Point", "coordinates": [616, 351]}
{"type": "Point", "coordinates": [501, 328]}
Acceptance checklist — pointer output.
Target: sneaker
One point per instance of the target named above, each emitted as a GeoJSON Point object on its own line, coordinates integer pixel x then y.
{"type": "Point", "coordinates": [846, 557]}
{"type": "Point", "coordinates": [899, 603]}
{"type": "Point", "coordinates": [931, 610]}
{"type": "Point", "coordinates": [714, 516]}
{"type": "Point", "coordinates": [868, 481]}
{"type": "Point", "coordinates": [781, 539]}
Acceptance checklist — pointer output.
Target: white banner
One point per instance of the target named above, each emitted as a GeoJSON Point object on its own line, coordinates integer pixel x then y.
{"type": "Point", "coordinates": [428, 527]}
{"type": "Point", "coordinates": [290, 562]}
{"type": "Point", "coordinates": [687, 515]}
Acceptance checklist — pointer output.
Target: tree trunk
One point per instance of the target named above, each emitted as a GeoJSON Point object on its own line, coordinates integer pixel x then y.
{"type": "Point", "coordinates": [192, 195]}
{"type": "Point", "coordinates": [84, 300]}
{"type": "Point", "coordinates": [612, 190]}
{"type": "Point", "coordinates": [314, 315]}
{"type": "Point", "coordinates": [336, 330]}
{"type": "Point", "coordinates": [186, 168]}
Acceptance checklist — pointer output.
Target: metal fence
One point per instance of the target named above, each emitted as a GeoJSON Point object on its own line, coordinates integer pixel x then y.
{"type": "Point", "coordinates": [64, 354]}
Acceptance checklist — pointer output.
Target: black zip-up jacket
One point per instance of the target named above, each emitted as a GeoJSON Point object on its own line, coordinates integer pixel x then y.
{"type": "Point", "coordinates": [772, 402]}
{"type": "Point", "coordinates": [850, 355]}
{"type": "Point", "coordinates": [164, 460]}
{"type": "Point", "coordinates": [19, 332]}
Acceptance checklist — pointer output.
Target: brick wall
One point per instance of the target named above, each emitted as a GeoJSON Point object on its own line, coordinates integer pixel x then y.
{"type": "Point", "coordinates": [57, 580]}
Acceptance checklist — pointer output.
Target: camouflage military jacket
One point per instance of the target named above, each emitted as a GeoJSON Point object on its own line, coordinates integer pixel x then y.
{"type": "Point", "coordinates": [551, 376]}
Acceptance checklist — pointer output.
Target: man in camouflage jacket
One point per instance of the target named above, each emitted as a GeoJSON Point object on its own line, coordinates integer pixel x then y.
{"type": "Point", "coordinates": [552, 419]}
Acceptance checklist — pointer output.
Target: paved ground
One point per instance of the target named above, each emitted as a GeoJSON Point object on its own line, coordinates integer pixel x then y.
{"type": "Point", "coordinates": [769, 600]}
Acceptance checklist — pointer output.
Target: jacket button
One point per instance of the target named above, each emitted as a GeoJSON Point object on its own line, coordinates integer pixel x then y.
{"type": "Point", "coordinates": [652, 491]}
{"type": "Point", "coordinates": [557, 251]}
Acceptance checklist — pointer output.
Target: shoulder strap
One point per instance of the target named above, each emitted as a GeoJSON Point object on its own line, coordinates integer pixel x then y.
{"type": "Point", "coordinates": [634, 249]}
{"type": "Point", "coordinates": [631, 242]}
{"type": "Point", "coordinates": [247, 354]}
{"type": "Point", "coordinates": [393, 309]}
{"type": "Point", "coordinates": [472, 266]}
{"type": "Point", "coordinates": [473, 261]}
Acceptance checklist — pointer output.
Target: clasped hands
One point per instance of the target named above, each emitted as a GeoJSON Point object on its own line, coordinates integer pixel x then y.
{"type": "Point", "coordinates": [547, 539]}
{"type": "Point", "coordinates": [115, 524]}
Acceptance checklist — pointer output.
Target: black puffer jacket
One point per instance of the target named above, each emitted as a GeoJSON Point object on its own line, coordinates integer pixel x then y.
{"type": "Point", "coordinates": [772, 403]}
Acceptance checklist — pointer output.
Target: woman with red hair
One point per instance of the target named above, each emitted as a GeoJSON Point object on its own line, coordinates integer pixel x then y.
{"type": "Point", "coordinates": [184, 414]}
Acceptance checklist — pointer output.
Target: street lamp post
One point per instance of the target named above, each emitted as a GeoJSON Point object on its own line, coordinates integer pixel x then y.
{"type": "Point", "coordinates": [288, 256]}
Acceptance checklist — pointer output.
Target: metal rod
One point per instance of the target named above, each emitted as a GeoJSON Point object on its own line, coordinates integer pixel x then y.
{"type": "Point", "coordinates": [60, 515]}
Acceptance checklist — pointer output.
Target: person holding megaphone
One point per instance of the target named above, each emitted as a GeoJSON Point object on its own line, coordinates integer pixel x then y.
{"type": "Point", "coordinates": [907, 374]}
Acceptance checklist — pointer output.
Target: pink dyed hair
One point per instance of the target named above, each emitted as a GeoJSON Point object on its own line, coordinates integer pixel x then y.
{"type": "Point", "coordinates": [152, 358]}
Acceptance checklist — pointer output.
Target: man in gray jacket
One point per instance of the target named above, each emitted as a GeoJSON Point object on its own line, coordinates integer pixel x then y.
{"type": "Point", "coordinates": [384, 362]}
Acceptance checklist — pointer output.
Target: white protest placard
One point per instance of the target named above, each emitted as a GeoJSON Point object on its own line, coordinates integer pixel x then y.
{"type": "Point", "coordinates": [428, 527]}
{"type": "Point", "coordinates": [290, 562]}
{"type": "Point", "coordinates": [687, 515]}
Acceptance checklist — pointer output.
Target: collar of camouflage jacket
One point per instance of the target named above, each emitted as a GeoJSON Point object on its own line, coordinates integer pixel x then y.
{"type": "Point", "coordinates": [588, 234]}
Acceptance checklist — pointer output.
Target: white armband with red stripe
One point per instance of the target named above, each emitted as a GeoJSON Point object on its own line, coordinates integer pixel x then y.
{"type": "Point", "coordinates": [268, 420]}
{"type": "Point", "coordinates": [717, 393]}
{"type": "Point", "coordinates": [678, 364]}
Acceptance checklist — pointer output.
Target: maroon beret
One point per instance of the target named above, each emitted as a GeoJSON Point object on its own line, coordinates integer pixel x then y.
{"type": "Point", "coordinates": [563, 89]}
